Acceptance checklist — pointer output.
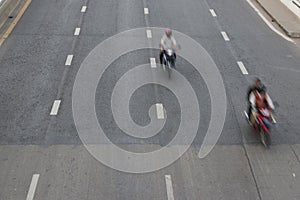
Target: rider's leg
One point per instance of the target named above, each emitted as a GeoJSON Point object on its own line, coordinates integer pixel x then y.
{"type": "Point", "coordinates": [249, 111]}
{"type": "Point", "coordinates": [161, 56]}
{"type": "Point", "coordinates": [267, 123]}
{"type": "Point", "coordinates": [173, 64]}
{"type": "Point", "coordinates": [252, 117]}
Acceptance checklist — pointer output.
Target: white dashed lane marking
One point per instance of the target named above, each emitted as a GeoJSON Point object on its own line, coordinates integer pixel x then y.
{"type": "Point", "coordinates": [146, 11]}
{"type": "Point", "coordinates": [242, 67]}
{"type": "Point", "coordinates": [149, 34]}
{"type": "Point", "coordinates": [55, 107]}
{"type": "Point", "coordinates": [225, 36]}
{"type": "Point", "coordinates": [77, 31]}
{"type": "Point", "coordinates": [160, 111]}
{"type": "Point", "coordinates": [153, 62]}
{"type": "Point", "coordinates": [170, 193]}
{"type": "Point", "coordinates": [213, 13]}
{"type": "Point", "coordinates": [83, 9]}
{"type": "Point", "coordinates": [32, 187]}
{"type": "Point", "coordinates": [69, 60]}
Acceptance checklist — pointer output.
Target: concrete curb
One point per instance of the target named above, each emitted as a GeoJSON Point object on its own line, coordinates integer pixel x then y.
{"type": "Point", "coordinates": [6, 9]}
{"type": "Point", "coordinates": [288, 26]}
{"type": "Point", "coordinates": [292, 5]}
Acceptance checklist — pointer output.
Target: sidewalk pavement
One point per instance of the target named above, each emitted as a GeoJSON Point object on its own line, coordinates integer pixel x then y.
{"type": "Point", "coordinates": [286, 19]}
{"type": "Point", "coordinates": [6, 9]}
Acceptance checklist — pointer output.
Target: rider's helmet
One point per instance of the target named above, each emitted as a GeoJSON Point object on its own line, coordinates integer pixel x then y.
{"type": "Point", "coordinates": [262, 89]}
{"type": "Point", "coordinates": [257, 83]}
{"type": "Point", "coordinates": [168, 32]}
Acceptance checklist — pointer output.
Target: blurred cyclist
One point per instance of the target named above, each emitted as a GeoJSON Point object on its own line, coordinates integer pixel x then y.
{"type": "Point", "coordinates": [257, 86]}
{"type": "Point", "coordinates": [167, 42]}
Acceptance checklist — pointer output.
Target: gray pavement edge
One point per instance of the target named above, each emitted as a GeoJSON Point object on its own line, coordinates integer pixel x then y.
{"type": "Point", "coordinates": [287, 20]}
{"type": "Point", "coordinates": [7, 7]}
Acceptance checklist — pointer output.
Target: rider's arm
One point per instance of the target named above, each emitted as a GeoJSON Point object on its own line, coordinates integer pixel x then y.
{"type": "Point", "coordinates": [270, 102]}
{"type": "Point", "coordinates": [252, 99]}
{"type": "Point", "coordinates": [162, 42]}
{"type": "Point", "coordinates": [174, 42]}
{"type": "Point", "coordinates": [250, 90]}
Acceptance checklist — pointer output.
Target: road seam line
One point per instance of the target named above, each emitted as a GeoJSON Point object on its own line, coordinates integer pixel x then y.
{"type": "Point", "coordinates": [242, 67]}
{"type": "Point", "coordinates": [77, 31]}
{"type": "Point", "coordinates": [170, 193]}
{"type": "Point", "coordinates": [69, 60]}
{"type": "Point", "coordinates": [55, 107]}
{"type": "Point", "coordinates": [146, 11]}
{"type": "Point", "coordinates": [225, 36]}
{"type": "Point", "coordinates": [213, 13]}
{"type": "Point", "coordinates": [160, 111]}
{"type": "Point", "coordinates": [32, 187]}
{"type": "Point", "coordinates": [153, 62]}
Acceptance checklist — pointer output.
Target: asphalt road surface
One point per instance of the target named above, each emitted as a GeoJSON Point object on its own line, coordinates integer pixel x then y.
{"type": "Point", "coordinates": [42, 155]}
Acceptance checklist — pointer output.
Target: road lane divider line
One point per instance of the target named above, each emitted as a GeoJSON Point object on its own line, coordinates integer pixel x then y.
{"type": "Point", "coordinates": [152, 62]}
{"type": "Point", "coordinates": [242, 67]}
{"type": "Point", "coordinates": [77, 31]}
{"type": "Point", "coordinates": [83, 9]}
{"type": "Point", "coordinates": [149, 33]}
{"type": "Point", "coordinates": [170, 193]}
{"type": "Point", "coordinates": [146, 11]}
{"type": "Point", "coordinates": [15, 21]}
{"type": "Point", "coordinates": [213, 13]}
{"type": "Point", "coordinates": [225, 36]}
{"type": "Point", "coordinates": [160, 111]}
{"type": "Point", "coordinates": [269, 24]}
{"type": "Point", "coordinates": [69, 60]}
{"type": "Point", "coordinates": [55, 107]}
{"type": "Point", "coordinates": [32, 187]}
